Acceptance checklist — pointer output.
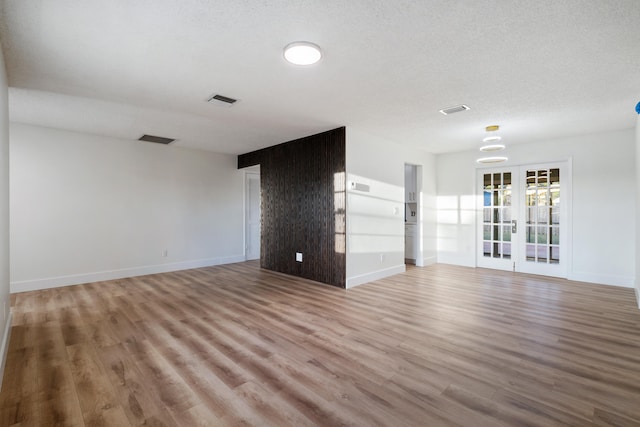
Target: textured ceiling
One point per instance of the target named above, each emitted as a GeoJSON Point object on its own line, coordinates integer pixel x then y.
{"type": "Point", "coordinates": [540, 69]}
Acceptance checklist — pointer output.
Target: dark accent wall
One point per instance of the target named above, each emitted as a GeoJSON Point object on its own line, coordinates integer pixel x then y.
{"type": "Point", "coordinates": [303, 206]}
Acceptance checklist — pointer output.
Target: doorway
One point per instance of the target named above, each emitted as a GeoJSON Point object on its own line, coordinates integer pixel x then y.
{"type": "Point", "coordinates": [252, 215]}
{"type": "Point", "coordinates": [523, 218]}
{"type": "Point", "coordinates": [413, 253]}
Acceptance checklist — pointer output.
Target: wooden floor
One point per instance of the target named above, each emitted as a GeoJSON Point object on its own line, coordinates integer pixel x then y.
{"type": "Point", "coordinates": [236, 345]}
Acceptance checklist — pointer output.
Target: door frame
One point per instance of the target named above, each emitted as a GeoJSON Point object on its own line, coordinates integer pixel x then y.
{"type": "Point", "coordinates": [250, 173]}
{"type": "Point", "coordinates": [418, 238]}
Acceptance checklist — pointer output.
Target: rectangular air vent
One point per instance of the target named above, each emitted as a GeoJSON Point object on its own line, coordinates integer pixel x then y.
{"type": "Point", "coordinates": [222, 100]}
{"type": "Point", "coordinates": [456, 109]}
{"type": "Point", "coordinates": [156, 139]}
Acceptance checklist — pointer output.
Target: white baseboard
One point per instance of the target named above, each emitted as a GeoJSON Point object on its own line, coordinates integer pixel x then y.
{"type": "Point", "coordinates": [637, 296]}
{"type": "Point", "coordinates": [430, 261]}
{"type": "Point", "coordinates": [374, 275]}
{"type": "Point", "coordinates": [76, 279]}
{"type": "Point", "coordinates": [600, 279]}
{"type": "Point", "coordinates": [4, 347]}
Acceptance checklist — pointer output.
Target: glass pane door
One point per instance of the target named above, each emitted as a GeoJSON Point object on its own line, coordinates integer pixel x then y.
{"type": "Point", "coordinates": [544, 235]}
{"type": "Point", "coordinates": [542, 203]}
{"type": "Point", "coordinates": [496, 246]}
{"type": "Point", "coordinates": [522, 221]}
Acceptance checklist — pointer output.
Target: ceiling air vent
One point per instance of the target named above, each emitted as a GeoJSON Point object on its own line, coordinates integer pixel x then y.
{"type": "Point", "coordinates": [456, 109]}
{"type": "Point", "coordinates": [156, 139]}
{"type": "Point", "coordinates": [222, 100]}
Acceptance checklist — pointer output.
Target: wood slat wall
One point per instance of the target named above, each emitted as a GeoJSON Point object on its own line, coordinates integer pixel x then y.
{"type": "Point", "coordinates": [303, 206]}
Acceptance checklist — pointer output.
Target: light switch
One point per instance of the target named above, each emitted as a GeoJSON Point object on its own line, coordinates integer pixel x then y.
{"type": "Point", "coordinates": [299, 256]}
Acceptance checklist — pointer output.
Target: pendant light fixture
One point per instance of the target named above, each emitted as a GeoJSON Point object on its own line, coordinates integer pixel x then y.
{"type": "Point", "coordinates": [490, 143]}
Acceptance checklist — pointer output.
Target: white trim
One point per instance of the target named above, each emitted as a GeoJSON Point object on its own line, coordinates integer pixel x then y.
{"type": "Point", "coordinates": [247, 174]}
{"type": "Point", "coordinates": [76, 279]}
{"type": "Point", "coordinates": [375, 275]}
{"type": "Point", "coordinates": [600, 279]}
{"type": "Point", "coordinates": [429, 261]}
{"type": "Point", "coordinates": [637, 296]}
{"type": "Point", "coordinates": [4, 347]}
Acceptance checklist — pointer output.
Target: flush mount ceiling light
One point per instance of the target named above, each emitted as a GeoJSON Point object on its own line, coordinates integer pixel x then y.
{"type": "Point", "coordinates": [491, 143]}
{"type": "Point", "coordinates": [302, 53]}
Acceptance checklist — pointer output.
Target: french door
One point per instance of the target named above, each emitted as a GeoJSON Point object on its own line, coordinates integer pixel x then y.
{"type": "Point", "coordinates": [522, 222]}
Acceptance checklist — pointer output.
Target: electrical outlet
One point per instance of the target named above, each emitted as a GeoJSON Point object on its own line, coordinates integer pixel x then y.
{"type": "Point", "coordinates": [299, 256]}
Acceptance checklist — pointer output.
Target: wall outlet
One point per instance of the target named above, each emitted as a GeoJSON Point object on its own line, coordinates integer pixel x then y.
{"type": "Point", "coordinates": [299, 256]}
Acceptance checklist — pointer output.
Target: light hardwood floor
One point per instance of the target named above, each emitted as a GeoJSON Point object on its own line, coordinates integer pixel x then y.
{"type": "Point", "coordinates": [237, 345]}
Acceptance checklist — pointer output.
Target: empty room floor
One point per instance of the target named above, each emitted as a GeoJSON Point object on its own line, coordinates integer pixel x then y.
{"type": "Point", "coordinates": [238, 345]}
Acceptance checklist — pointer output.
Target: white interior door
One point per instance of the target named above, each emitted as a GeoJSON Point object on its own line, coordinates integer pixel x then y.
{"type": "Point", "coordinates": [522, 222]}
{"type": "Point", "coordinates": [252, 216]}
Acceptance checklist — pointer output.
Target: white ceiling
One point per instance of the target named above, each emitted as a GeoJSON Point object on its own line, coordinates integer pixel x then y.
{"type": "Point", "coordinates": [539, 68]}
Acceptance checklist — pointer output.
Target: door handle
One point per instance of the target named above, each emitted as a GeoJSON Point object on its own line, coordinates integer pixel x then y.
{"type": "Point", "coordinates": [514, 226]}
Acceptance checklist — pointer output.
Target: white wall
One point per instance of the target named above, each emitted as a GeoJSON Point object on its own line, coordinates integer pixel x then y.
{"type": "Point", "coordinates": [5, 310]}
{"type": "Point", "coordinates": [87, 208]}
{"type": "Point", "coordinates": [375, 219]}
{"type": "Point", "coordinates": [603, 203]}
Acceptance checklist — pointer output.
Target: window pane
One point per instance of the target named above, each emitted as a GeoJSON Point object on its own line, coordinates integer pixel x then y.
{"type": "Point", "coordinates": [555, 215]}
{"type": "Point", "coordinates": [555, 235]}
{"type": "Point", "coordinates": [531, 252]}
{"type": "Point", "coordinates": [507, 179]}
{"type": "Point", "coordinates": [531, 234]}
{"type": "Point", "coordinates": [487, 198]}
{"type": "Point", "coordinates": [506, 233]}
{"type": "Point", "coordinates": [542, 178]}
{"type": "Point", "coordinates": [542, 254]}
{"type": "Point", "coordinates": [543, 215]}
{"type": "Point", "coordinates": [497, 200]}
{"type": "Point", "coordinates": [486, 232]}
{"type": "Point", "coordinates": [496, 250]}
{"type": "Point", "coordinates": [506, 201]}
{"type": "Point", "coordinates": [487, 181]}
{"type": "Point", "coordinates": [506, 215]}
{"type": "Point", "coordinates": [555, 256]}
{"type": "Point", "coordinates": [496, 232]}
{"type": "Point", "coordinates": [531, 216]}
{"type": "Point", "coordinates": [542, 235]}
{"type": "Point", "coordinates": [487, 214]}
{"type": "Point", "coordinates": [543, 197]}
{"type": "Point", "coordinates": [531, 198]}
{"type": "Point", "coordinates": [486, 249]}
{"type": "Point", "coordinates": [506, 250]}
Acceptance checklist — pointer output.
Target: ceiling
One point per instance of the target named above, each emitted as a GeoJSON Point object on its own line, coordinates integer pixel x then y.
{"type": "Point", "coordinates": [541, 69]}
